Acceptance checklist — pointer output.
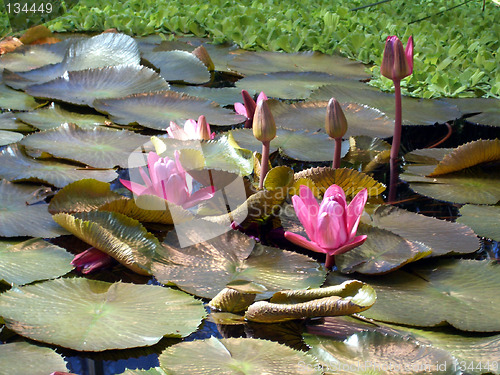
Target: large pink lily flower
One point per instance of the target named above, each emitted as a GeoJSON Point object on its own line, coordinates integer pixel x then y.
{"type": "Point", "coordinates": [168, 180]}
{"type": "Point", "coordinates": [331, 226]}
{"type": "Point", "coordinates": [192, 130]}
{"type": "Point", "coordinates": [248, 108]}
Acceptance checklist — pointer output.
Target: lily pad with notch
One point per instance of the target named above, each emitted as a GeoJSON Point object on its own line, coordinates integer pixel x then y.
{"type": "Point", "coordinates": [484, 220]}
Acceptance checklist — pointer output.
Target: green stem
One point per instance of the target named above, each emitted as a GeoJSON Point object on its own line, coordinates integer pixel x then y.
{"type": "Point", "coordinates": [264, 163]}
{"type": "Point", "coordinates": [336, 154]}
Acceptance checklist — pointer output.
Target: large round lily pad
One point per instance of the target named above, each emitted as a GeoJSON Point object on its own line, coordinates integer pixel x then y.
{"type": "Point", "coordinates": [15, 100]}
{"type": "Point", "coordinates": [156, 110]}
{"type": "Point", "coordinates": [222, 95]}
{"type": "Point", "coordinates": [295, 144]}
{"type": "Point", "coordinates": [123, 238]}
{"type": "Point", "coordinates": [24, 358]}
{"type": "Point", "coordinates": [204, 269]}
{"type": "Point", "coordinates": [108, 316]}
{"type": "Point", "coordinates": [7, 137]}
{"type": "Point", "coordinates": [29, 57]}
{"type": "Point", "coordinates": [462, 293]}
{"type": "Point", "coordinates": [54, 116]}
{"type": "Point", "coordinates": [83, 87]}
{"type": "Point", "coordinates": [488, 108]}
{"type": "Point", "coordinates": [250, 63]}
{"type": "Point", "coordinates": [231, 356]}
{"type": "Point", "coordinates": [179, 66]}
{"type": "Point", "coordinates": [22, 262]}
{"type": "Point", "coordinates": [15, 165]}
{"type": "Point", "coordinates": [484, 220]}
{"type": "Point", "coordinates": [9, 121]}
{"type": "Point", "coordinates": [19, 217]}
{"type": "Point", "coordinates": [362, 120]}
{"type": "Point", "coordinates": [97, 147]}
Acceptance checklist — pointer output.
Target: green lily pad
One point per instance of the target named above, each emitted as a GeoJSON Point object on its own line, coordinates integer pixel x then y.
{"type": "Point", "coordinates": [54, 116]}
{"type": "Point", "coordinates": [378, 353]}
{"type": "Point", "coordinates": [179, 66]}
{"type": "Point", "coordinates": [234, 355]}
{"type": "Point", "coordinates": [16, 100]}
{"type": "Point", "coordinates": [9, 121]}
{"type": "Point", "coordinates": [24, 358]}
{"type": "Point", "coordinates": [103, 50]}
{"type": "Point", "coordinates": [484, 220]}
{"type": "Point", "coordinates": [462, 293]}
{"type": "Point", "coordinates": [7, 137]}
{"type": "Point", "coordinates": [15, 165]}
{"type": "Point", "coordinates": [295, 144]}
{"type": "Point", "coordinates": [109, 316]}
{"type": "Point", "coordinates": [222, 96]}
{"type": "Point", "coordinates": [97, 147]}
{"type": "Point", "coordinates": [382, 252]}
{"type": "Point", "coordinates": [32, 260]}
{"type": "Point", "coordinates": [29, 57]}
{"type": "Point", "coordinates": [233, 259]}
{"type": "Point", "coordinates": [286, 85]}
{"type": "Point", "coordinates": [250, 63]}
{"type": "Point", "coordinates": [489, 109]}
{"type": "Point", "coordinates": [19, 217]}
{"type": "Point", "coordinates": [82, 196]}
{"type": "Point", "coordinates": [415, 111]}
{"type": "Point", "coordinates": [362, 120]}
{"type": "Point", "coordinates": [156, 110]}
{"type": "Point", "coordinates": [117, 235]}
{"type": "Point", "coordinates": [83, 87]}
{"type": "Point", "coordinates": [364, 150]}
{"type": "Point", "coordinates": [151, 371]}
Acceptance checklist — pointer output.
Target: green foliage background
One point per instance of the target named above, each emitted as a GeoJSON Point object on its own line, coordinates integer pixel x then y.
{"type": "Point", "coordinates": [456, 51]}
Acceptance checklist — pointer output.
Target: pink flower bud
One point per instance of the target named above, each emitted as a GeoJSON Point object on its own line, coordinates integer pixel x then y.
{"type": "Point", "coordinates": [335, 121]}
{"type": "Point", "coordinates": [397, 63]}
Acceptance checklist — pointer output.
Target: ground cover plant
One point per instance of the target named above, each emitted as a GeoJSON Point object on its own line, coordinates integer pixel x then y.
{"type": "Point", "coordinates": [141, 221]}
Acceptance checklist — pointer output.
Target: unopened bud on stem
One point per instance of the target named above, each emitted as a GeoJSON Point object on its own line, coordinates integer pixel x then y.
{"type": "Point", "coordinates": [335, 121]}
{"type": "Point", "coordinates": [264, 127]}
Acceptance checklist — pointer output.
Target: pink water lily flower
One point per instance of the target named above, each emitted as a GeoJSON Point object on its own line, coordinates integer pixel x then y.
{"type": "Point", "coordinates": [247, 109]}
{"type": "Point", "coordinates": [91, 260]}
{"type": "Point", "coordinates": [168, 180]}
{"type": "Point", "coordinates": [331, 226]}
{"type": "Point", "coordinates": [192, 130]}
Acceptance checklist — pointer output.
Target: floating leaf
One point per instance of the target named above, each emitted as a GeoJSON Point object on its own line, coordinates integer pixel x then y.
{"type": "Point", "coordinates": [286, 85]}
{"type": "Point", "coordinates": [149, 209]}
{"type": "Point", "coordinates": [32, 260]}
{"type": "Point", "coordinates": [156, 110]}
{"type": "Point", "coordinates": [54, 116]}
{"type": "Point", "coordinates": [489, 109]}
{"type": "Point", "coordinates": [82, 196]}
{"type": "Point", "coordinates": [25, 358]}
{"type": "Point", "coordinates": [415, 111]}
{"type": "Point", "coordinates": [382, 252]}
{"type": "Point", "coordinates": [222, 96]}
{"type": "Point", "coordinates": [97, 147]}
{"type": "Point", "coordinates": [15, 100]}
{"type": "Point", "coordinates": [468, 155]}
{"type": "Point", "coordinates": [348, 298]}
{"type": "Point", "coordinates": [381, 354]}
{"type": "Point", "coordinates": [9, 121]}
{"type": "Point", "coordinates": [20, 218]}
{"type": "Point", "coordinates": [362, 120]}
{"type": "Point", "coordinates": [483, 220]}
{"type": "Point", "coordinates": [295, 144]}
{"type": "Point", "coordinates": [83, 87]}
{"type": "Point", "coordinates": [231, 300]}
{"type": "Point", "coordinates": [229, 356]}
{"type": "Point", "coordinates": [117, 235]}
{"type": "Point", "coordinates": [29, 57]}
{"type": "Point", "coordinates": [350, 180]}
{"type": "Point", "coordinates": [204, 269]}
{"type": "Point", "coordinates": [15, 165]}
{"type": "Point", "coordinates": [151, 371]}
{"type": "Point", "coordinates": [109, 316]}
{"type": "Point", "coordinates": [103, 50]}
{"type": "Point", "coordinates": [7, 137]}
{"type": "Point", "coordinates": [179, 66]}
{"type": "Point", "coordinates": [248, 63]}
{"type": "Point", "coordinates": [460, 292]}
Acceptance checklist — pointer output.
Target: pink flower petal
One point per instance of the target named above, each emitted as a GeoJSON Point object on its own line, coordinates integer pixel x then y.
{"type": "Point", "coordinates": [330, 233]}
{"type": "Point", "coordinates": [354, 212]}
{"type": "Point", "coordinates": [152, 159]}
{"type": "Point", "coordinates": [409, 53]}
{"type": "Point", "coordinates": [175, 189]}
{"type": "Point", "coordinates": [198, 196]}
{"type": "Point", "coordinates": [133, 187]}
{"type": "Point", "coordinates": [261, 97]}
{"type": "Point", "coordinates": [303, 242]}
{"type": "Point", "coordinates": [240, 109]}
{"type": "Point", "coordinates": [355, 242]}
{"type": "Point", "coordinates": [145, 177]}
{"type": "Point", "coordinates": [90, 260]}
{"type": "Point", "coordinates": [336, 192]}
{"type": "Point", "coordinates": [306, 217]}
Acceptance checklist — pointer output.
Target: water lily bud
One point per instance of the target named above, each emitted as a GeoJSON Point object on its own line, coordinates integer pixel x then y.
{"type": "Point", "coordinates": [264, 127]}
{"type": "Point", "coordinates": [397, 63]}
{"type": "Point", "coordinates": [335, 121]}
{"type": "Point", "coordinates": [203, 128]}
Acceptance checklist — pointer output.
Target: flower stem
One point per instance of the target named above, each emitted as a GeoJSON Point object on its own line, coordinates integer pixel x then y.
{"type": "Point", "coordinates": [330, 261]}
{"type": "Point", "coordinates": [264, 163]}
{"type": "Point", "coordinates": [396, 139]}
{"type": "Point", "coordinates": [336, 154]}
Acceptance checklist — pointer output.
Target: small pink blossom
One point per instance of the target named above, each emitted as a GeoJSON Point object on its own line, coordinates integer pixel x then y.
{"type": "Point", "coordinates": [91, 260]}
{"type": "Point", "coordinates": [168, 180]}
{"type": "Point", "coordinates": [331, 226]}
{"type": "Point", "coordinates": [396, 62]}
{"type": "Point", "coordinates": [191, 130]}
{"type": "Point", "coordinates": [248, 108]}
